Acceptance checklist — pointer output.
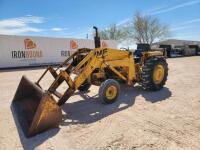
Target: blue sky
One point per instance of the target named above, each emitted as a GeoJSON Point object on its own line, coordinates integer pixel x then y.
{"type": "Point", "coordinates": [75, 18]}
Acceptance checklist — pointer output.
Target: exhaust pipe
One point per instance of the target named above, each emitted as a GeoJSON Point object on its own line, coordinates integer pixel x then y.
{"type": "Point", "coordinates": [97, 40]}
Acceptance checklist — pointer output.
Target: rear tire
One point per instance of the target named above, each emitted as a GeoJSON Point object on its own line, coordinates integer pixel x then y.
{"type": "Point", "coordinates": [109, 91]}
{"type": "Point", "coordinates": [154, 74]}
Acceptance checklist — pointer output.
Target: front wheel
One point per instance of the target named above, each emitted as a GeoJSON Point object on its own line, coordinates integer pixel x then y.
{"type": "Point", "coordinates": [109, 91]}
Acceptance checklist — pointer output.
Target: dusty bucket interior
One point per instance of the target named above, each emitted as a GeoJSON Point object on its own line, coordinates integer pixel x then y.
{"type": "Point", "coordinates": [36, 111]}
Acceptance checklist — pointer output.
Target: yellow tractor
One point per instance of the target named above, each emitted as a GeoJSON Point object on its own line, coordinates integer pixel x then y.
{"type": "Point", "coordinates": [38, 110]}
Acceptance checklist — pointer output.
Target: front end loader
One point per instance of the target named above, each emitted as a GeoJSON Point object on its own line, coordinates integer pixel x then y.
{"type": "Point", "coordinates": [38, 110]}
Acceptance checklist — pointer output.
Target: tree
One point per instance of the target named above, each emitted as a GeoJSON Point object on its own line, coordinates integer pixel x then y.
{"type": "Point", "coordinates": [113, 33]}
{"type": "Point", "coordinates": [146, 29]}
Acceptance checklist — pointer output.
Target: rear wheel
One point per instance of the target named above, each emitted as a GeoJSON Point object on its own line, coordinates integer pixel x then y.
{"type": "Point", "coordinates": [109, 91]}
{"type": "Point", "coordinates": [154, 74]}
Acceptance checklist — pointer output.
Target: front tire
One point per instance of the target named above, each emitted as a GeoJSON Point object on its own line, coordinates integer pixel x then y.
{"type": "Point", "coordinates": [109, 91]}
{"type": "Point", "coordinates": [154, 74]}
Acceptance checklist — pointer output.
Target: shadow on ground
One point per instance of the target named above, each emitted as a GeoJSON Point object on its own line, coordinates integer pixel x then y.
{"type": "Point", "coordinates": [91, 109]}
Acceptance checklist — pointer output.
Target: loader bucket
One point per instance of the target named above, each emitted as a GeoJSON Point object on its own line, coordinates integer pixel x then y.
{"type": "Point", "coordinates": [36, 110]}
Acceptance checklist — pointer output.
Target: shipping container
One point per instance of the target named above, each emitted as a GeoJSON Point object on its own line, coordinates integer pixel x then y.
{"type": "Point", "coordinates": [27, 51]}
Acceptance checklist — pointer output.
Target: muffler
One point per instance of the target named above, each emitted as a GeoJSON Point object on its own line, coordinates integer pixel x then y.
{"type": "Point", "coordinates": [36, 110]}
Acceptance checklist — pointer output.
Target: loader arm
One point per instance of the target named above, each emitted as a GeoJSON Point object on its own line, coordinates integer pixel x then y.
{"type": "Point", "coordinates": [91, 62]}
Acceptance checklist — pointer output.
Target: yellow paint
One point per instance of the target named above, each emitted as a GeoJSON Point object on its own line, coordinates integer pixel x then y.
{"type": "Point", "coordinates": [111, 92]}
{"type": "Point", "coordinates": [158, 74]}
{"type": "Point", "coordinates": [100, 58]}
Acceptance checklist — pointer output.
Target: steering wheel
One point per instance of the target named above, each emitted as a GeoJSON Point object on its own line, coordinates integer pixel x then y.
{"type": "Point", "coordinates": [124, 48]}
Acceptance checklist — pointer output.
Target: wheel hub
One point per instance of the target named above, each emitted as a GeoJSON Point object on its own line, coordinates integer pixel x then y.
{"type": "Point", "coordinates": [111, 92]}
{"type": "Point", "coordinates": [158, 74]}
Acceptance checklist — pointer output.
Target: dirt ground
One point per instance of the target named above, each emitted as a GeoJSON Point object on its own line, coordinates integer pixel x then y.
{"type": "Point", "coordinates": [168, 119]}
